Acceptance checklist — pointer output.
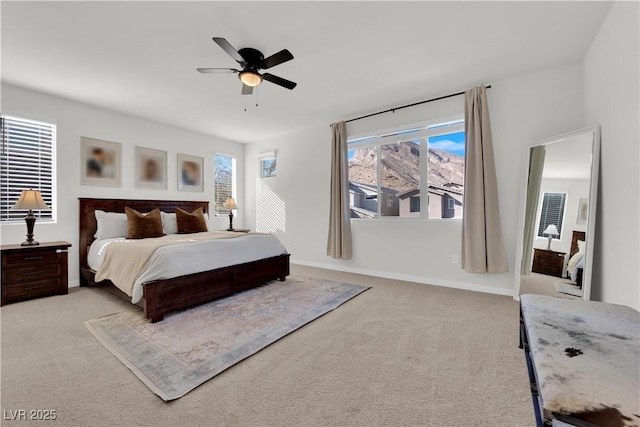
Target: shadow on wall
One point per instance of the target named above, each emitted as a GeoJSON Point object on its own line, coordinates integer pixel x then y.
{"type": "Point", "coordinates": [271, 210]}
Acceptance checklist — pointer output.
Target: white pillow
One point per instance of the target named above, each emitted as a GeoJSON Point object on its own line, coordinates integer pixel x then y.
{"type": "Point", "coordinates": [208, 221]}
{"type": "Point", "coordinates": [573, 262]}
{"type": "Point", "coordinates": [110, 225]}
{"type": "Point", "coordinates": [169, 223]}
{"type": "Point", "coordinates": [581, 245]}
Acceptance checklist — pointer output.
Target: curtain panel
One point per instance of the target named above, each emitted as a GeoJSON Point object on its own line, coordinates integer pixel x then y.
{"type": "Point", "coordinates": [482, 241]}
{"type": "Point", "coordinates": [339, 239]}
{"type": "Point", "coordinates": [536, 165]}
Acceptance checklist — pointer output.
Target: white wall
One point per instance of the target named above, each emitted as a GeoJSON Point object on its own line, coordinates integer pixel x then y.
{"type": "Point", "coordinates": [75, 120]}
{"type": "Point", "coordinates": [523, 109]}
{"type": "Point", "coordinates": [611, 90]}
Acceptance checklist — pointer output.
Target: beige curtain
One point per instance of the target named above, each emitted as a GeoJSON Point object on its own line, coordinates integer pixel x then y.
{"type": "Point", "coordinates": [339, 240]}
{"type": "Point", "coordinates": [536, 165]}
{"type": "Point", "coordinates": [482, 243]}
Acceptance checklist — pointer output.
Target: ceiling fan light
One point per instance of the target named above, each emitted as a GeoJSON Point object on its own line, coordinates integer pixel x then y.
{"type": "Point", "coordinates": [250, 78]}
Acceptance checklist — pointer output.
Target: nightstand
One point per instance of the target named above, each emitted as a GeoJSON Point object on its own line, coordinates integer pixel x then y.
{"type": "Point", "coordinates": [34, 271]}
{"type": "Point", "coordinates": [548, 262]}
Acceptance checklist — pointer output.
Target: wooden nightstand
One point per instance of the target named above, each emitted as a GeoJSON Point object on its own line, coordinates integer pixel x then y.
{"type": "Point", "coordinates": [34, 271]}
{"type": "Point", "coordinates": [548, 262]}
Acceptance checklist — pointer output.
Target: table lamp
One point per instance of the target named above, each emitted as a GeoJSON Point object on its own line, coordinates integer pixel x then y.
{"type": "Point", "coordinates": [30, 199]}
{"type": "Point", "coordinates": [230, 204]}
{"type": "Point", "coordinates": [550, 231]}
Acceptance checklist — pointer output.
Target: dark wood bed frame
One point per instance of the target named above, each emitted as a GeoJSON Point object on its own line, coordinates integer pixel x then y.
{"type": "Point", "coordinates": [165, 296]}
{"type": "Point", "coordinates": [577, 235]}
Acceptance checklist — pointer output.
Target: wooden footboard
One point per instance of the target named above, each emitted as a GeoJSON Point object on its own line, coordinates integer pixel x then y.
{"type": "Point", "coordinates": [165, 296]}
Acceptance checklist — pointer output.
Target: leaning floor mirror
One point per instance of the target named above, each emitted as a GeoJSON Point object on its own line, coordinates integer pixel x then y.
{"type": "Point", "coordinates": [558, 215]}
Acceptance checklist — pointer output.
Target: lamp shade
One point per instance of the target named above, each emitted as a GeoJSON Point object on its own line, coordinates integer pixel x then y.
{"type": "Point", "coordinates": [250, 78]}
{"type": "Point", "coordinates": [29, 200]}
{"type": "Point", "coordinates": [230, 204]}
{"type": "Point", "coordinates": [551, 230]}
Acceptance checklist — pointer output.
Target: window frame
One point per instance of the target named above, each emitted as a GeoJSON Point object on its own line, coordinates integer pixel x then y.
{"type": "Point", "coordinates": [234, 186]}
{"type": "Point", "coordinates": [53, 203]}
{"type": "Point", "coordinates": [424, 130]}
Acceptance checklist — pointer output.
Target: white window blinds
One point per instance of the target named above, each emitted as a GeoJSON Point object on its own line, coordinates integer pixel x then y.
{"type": "Point", "coordinates": [552, 212]}
{"type": "Point", "coordinates": [27, 161]}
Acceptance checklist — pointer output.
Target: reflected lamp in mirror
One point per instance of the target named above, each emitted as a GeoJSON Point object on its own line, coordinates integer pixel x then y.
{"type": "Point", "coordinates": [550, 231]}
{"type": "Point", "coordinates": [230, 204]}
{"type": "Point", "coordinates": [30, 200]}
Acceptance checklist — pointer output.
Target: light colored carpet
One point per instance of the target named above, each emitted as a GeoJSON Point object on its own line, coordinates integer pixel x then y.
{"type": "Point", "coordinates": [399, 354]}
{"type": "Point", "coordinates": [568, 288]}
{"type": "Point", "coordinates": [541, 284]}
{"type": "Point", "coordinates": [189, 347]}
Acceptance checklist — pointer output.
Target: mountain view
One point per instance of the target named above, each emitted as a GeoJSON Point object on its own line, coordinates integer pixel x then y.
{"type": "Point", "coordinates": [401, 166]}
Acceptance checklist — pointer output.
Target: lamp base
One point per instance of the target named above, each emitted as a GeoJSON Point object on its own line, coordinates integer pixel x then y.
{"type": "Point", "coordinates": [230, 222]}
{"type": "Point", "coordinates": [29, 243]}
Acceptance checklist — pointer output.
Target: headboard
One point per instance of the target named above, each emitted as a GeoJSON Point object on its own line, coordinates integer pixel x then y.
{"type": "Point", "coordinates": [89, 225]}
{"type": "Point", "coordinates": [577, 235]}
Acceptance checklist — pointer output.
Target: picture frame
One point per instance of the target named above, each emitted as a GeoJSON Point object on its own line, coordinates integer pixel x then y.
{"type": "Point", "coordinates": [583, 211]}
{"type": "Point", "coordinates": [150, 168]}
{"type": "Point", "coordinates": [190, 173]}
{"type": "Point", "coordinates": [100, 162]}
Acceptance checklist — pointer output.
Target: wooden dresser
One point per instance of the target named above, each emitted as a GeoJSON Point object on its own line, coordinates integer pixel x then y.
{"type": "Point", "coordinates": [34, 271]}
{"type": "Point", "coordinates": [548, 262]}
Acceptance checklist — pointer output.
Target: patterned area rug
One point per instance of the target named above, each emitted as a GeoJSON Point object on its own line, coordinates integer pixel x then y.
{"type": "Point", "coordinates": [189, 347]}
{"type": "Point", "coordinates": [568, 288]}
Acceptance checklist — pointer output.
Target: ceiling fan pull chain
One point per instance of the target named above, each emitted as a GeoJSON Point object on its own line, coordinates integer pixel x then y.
{"type": "Point", "coordinates": [245, 104]}
{"type": "Point", "coordinates": [256, 92]}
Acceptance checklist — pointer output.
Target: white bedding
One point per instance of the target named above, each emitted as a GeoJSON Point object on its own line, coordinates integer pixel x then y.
{"type": "Point", "coordinates": [178, 260]}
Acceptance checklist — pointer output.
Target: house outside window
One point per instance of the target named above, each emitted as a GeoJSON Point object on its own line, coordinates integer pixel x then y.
{"type": "Point", "coordinates": [27, 161]}
{"type": "Point", "coordinates": [396, 167]}
{"type": "Point", "coordinates": [224, 181]}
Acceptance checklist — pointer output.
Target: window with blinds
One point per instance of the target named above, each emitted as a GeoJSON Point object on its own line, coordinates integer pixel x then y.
{"type": "Point", "coordinates": [224, 170]}
{"type": "Point", "coordinates": [27, 161]}
{"type": "Point", "coordinates": [552, 212]}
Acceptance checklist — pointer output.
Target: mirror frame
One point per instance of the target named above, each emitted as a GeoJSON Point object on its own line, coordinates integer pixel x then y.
{"type": "Point", "coordinates": [591, 215]}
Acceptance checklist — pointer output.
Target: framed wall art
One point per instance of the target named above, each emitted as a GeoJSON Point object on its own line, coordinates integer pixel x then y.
{"type": "Point", "coordinates": [100, 162]}
{"type": "Point", "coordinates": [150, 168]}
{"type": "Point", "coordinates": [190, 172]}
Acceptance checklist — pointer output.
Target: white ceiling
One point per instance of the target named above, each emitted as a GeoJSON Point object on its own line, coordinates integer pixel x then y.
{"type": "Point", "coordinates": [350, 57]}
{"type": "Point", "coordinates": [569, 158]}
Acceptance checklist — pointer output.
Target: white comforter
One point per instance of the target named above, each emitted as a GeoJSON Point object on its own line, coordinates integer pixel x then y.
{"type": "Point", "coordinates": [178, 260]}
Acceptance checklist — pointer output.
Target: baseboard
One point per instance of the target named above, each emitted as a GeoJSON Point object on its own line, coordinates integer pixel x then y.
{"type": "Point", "coordinates": [409, 278]}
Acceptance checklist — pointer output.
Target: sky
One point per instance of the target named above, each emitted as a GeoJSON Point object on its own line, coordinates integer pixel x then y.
{"type": "Point", "coordinates": [452, 143]}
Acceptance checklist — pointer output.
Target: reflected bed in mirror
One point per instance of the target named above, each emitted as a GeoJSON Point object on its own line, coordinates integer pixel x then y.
{"type": "Point", "coordinates": [557, 215]}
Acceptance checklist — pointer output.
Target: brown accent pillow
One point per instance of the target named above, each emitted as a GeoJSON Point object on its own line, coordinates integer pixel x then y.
{"type": "Point", "coordinates": [141, 226]}
{"type": "Point", "coordinates": [193, 222]}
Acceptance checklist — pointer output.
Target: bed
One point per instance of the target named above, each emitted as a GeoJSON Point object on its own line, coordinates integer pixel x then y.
{"type": "Point", "coordinates": [575, 237]}
{"type": "Point", "coordinates": [164, 296]}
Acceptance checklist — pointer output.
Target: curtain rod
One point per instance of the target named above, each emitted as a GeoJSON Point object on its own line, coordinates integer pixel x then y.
{"type": "Point", "coordinates": [408, 105]}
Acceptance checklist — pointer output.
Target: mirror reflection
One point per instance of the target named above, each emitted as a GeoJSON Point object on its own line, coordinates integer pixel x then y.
{"type": "Point", "coordinates": [557, 217]}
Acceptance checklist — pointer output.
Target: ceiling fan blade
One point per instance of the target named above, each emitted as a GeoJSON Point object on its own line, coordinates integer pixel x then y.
{"type": "Point", "coordinates": [217, 70]}
{"type": "Point", "coordinates": [247, 90]}
{"type": "Point", "coordinates": [226, 46]}
{"type": "Point", "coordinates": [279, 81]}
{"type": "Point", "coordinates": [277, 58]}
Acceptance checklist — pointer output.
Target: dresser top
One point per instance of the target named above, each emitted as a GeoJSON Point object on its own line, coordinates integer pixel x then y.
{"type": "Point", "coordinates": [41, 246]}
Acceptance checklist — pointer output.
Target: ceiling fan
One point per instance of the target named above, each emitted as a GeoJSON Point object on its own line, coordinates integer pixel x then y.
{"type": "Point", "coordinates": [252, 61]}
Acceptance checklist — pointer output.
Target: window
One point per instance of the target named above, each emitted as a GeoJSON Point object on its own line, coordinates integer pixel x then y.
{"type": "Point", "coordinates": [224, 181]}
{"type": "Point", "coordinates": [397, 167]}
{"type": "Point", "coordinates": [414, 204]}
{"type": "Point", "coordinates": [552, 212]}
{"type": "Point", "coordinates": [27, 161]}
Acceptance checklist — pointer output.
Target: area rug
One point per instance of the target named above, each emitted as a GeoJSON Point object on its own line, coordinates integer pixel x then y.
{"type": "Point", "coordinates": [569, 289]}
{"type": "Point", "coordinates": [187, 348]}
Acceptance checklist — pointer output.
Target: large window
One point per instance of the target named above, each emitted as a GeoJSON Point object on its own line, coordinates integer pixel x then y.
{"type": "Point", "coordinates": [390, 173]}
{"type": "Point", "coordinates": [27, 161]}
{"type": "Point", "coordinates": [224, 181]}
{"type": "Point", "coordinates": [552, 212]}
